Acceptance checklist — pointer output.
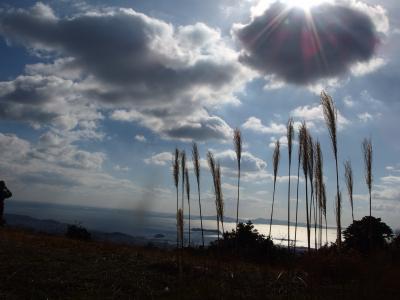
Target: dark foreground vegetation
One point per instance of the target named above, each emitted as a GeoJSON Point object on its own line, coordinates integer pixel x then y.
{"type": "Point", "coordinates": [38, 266]}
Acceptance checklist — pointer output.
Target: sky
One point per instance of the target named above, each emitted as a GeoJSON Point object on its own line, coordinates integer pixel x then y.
{"type": "Point", "coordinates": [96, 95]}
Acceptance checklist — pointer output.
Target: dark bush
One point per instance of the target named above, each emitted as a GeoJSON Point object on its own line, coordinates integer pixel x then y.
{"type": "Point", "coordinates": [78, 232]}
{"type": "Point", "coordinates": [367, 234]}
{"type": "Point", "coordinates": [248, 243]}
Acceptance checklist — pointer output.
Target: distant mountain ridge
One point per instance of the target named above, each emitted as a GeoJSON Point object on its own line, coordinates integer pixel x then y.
{"type": "Point", "coordinates": [53, 227]}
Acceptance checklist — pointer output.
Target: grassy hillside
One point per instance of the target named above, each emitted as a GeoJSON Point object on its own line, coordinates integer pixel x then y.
{"type": "Point", "coordinates": [34, 266]}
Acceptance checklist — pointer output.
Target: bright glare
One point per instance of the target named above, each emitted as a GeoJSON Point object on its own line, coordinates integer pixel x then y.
{"type": "Point", "coordinates": [304, 4]}
{"type": "Point", "coordinates": [262, 5]}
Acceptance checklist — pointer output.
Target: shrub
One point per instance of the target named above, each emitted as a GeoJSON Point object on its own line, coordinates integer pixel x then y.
{"type": "Point", "coordinates": [78, 232]}
{"type": "Point", "coordinates": [247, 242]}
{"type": "Point", "coordinates": [367, 234]}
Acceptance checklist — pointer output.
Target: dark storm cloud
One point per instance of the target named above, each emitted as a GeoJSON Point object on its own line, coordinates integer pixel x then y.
{"type": "Point", "coordinates": [283, 42]}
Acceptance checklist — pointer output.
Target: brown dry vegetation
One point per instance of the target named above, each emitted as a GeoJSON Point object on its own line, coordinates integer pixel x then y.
{"type": "Point", "coordinates": [34, 266]}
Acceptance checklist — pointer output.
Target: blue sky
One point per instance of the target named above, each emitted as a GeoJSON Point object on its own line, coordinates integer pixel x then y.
{"type": "Point", "coordinates": [95, 97]}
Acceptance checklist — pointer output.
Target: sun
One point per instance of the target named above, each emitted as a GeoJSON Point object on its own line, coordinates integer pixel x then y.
{"type": "Point", "coordinates": [305, 4]}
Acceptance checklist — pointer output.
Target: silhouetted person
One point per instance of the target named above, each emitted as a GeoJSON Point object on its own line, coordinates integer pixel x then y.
{"type": "Point", "coordinates": [4, 194]}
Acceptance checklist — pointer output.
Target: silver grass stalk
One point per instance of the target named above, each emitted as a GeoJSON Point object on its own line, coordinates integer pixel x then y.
{"type": "Point", "coordinates": [212, 166]}
{"type": "Point", "coordinates": [220, 198]}
{"type": "Point", "coordinates": [330, 115]}
{"type": "Point", "coordinates": [348, 176]}
{"type": "Point", "coordinates": [183, 167]}
{"type": "Point", "coordinates": [323, 192]}
{"type": "Point", "coordinates": [275, 161]}
{"type": "Point", "coordinates": [367, 150]}
{"type": "Point", "coordinates": [179, 221]}
{"type": "Point", "coordinates": [289, 136]}
{"type": "Point", "coordinates": [310, 161]}
{"type": "Point", "coordinates": [175, 173]}
{"type": "Point", "coordinates": [188, 196]}
{"type": "Point", "coordinates": [237, 143]}
{"type": "Point", "coordinates": [305, 155]}
{"type": "Point", "coordinates": [319, 181]}
{"type": "Point", "coordinates": [299, 156]}
{"type": "Point", "coordinates": [196, 167]}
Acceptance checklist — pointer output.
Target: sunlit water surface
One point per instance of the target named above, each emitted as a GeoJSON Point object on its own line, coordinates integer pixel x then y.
{"type": "Point", "coordinates": [149, 224]}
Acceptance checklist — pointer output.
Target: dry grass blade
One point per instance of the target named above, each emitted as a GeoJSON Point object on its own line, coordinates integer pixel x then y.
{"type": "Point", "coordinates": [188, 196]}
{"type": "Point", "coordinates": [310, 163]}
{"type": "Point", "coordinates": [276, 158]}
{"type": "Point", "coordinates": [196, 161]}
{"type": "Point", "coordinates": [330, 115]}
{"type": "Point", "coordinates": [367, 150]}
{"type": "Point", "coordinates": [196, 167]}
{"type": "Point", "coordinates": [219, 196]}
{"type": "Point", "coordinates": [299, 156]}
{"type": "Point", "coordinates": [187, 184]}
{"type": "Point", "coordinates": [319, 181]}
{"type": "Point", "coordinates": [348, 176]}
{"type": "Point", "coordinates": [211, 165]}
{"type": "Point", "coordinates": [289, 136]}
{"type": "Point", "coordinates": [275, 161]}
{"type": "Point", "coordinates": [338, 213]}
{"type": "Point", "coordinates": [323, 195]}
{"type": "Point", "coordinates": [304, 148]}
{"type": "Point", "coordinates": [213, 170]}
{"type": "Point", "coordinates": [175, 168]}
{"type": "Point", "coordinates": [305, 156]}
{"type": "Point", "coordinates": [183, 167]}
{"type": "Point", "coordinates": [237, 143]}
{"type": "Point", "coordinates": [179, 220]}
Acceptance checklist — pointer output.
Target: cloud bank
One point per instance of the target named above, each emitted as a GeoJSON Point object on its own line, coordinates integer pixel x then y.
{"type": "Point", "coordinates": [119, 59]}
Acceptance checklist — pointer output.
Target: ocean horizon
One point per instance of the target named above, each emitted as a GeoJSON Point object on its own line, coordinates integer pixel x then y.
{"type": "Point", "coordinates": [150, 224]}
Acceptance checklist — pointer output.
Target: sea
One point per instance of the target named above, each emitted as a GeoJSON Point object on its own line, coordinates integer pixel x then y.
{"type": "Point", "coordinates": [150, 225]}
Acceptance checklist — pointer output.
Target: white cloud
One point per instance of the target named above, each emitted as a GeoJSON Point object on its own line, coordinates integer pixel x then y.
{"type": "Point", "coordinates": [377, 13]}
{"type": "Point", "coordinates": [200, 126]}
{"type": "Point", "coordinates": [146, 70]}
{"type": "Point", "coordinates": [121, 169]}
{"type": "Point", "coordinates": [314, 114]}
{"type": "Point", "coordinates": [160, 159]}
{"type": "Point", "coordinates": [256, 125]}
{"type": "Point", "coordinates": [361, 69]}
{"type": "Point", "coordinates": [140, 138]}
{"type": "Point", "coordinates": [348, 101]}
{"type": "Point", "coordinates": [282, 141]}
{"type": "Point", "coordinates": [365, 117]}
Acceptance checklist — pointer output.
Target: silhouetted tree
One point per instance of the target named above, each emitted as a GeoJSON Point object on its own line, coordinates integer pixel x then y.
{"type": "Point", "coordinates": [367, 234]}
{"type": "Point", "coordinates": [78, 232]}
{"type": "Point", "coordinates": [247, 242]}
